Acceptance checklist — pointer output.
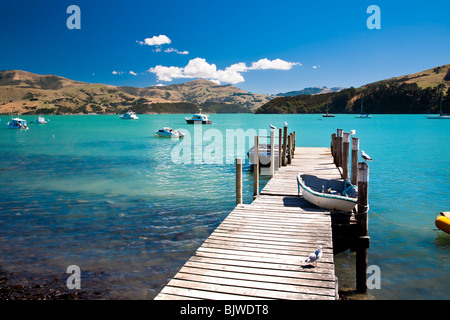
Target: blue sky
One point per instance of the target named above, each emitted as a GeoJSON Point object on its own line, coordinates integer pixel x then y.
{"type": "Point", "coordinates": [258, 46]}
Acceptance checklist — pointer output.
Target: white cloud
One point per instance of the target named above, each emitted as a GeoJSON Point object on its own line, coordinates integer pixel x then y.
{"type": "Point", "coordinates": [117, 72]}
{"type": "Point", "coordinates": [133, 73]}
{"type": "Point", "coordinates": [156, 40]}
{"type": "Point", "coordinates": [200, 68]}
{"type": "Point", "coordinates": [277, 64]}
{"type": "Point", "coordinates": [176, 51]}
{"type": "Point", "coordinates": [316, 67]}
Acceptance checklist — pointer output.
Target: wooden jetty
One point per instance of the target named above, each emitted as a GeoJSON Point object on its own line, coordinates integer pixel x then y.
{"type": "Point", "coordinates": [258, 251]}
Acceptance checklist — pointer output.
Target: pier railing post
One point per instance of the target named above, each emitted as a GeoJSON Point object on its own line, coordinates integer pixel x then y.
{"type": "Point", "coordinates": [294, 135]}
{"type": "Point", "coordinates": [333, 147]}
{"type": "Point", "coordinates": [280, 145]}
{"type": "Point", "coordinates": [238, 181]}
{"type": "Point", "coordinates": [272, 153]}
{"type": "Point", "coordinates": [355, 157]}
{"type": "Point", "coordinates": [284, 144]}
{"type": "Point", "coordinates": [362, 227]}
{"type": "Point", "coordinates": [289, 159]}
{"type": "Point", "coordinates": [345, 154]}
{"type": "Point", "coordinates": [338, 148]}
{"type": "Point", "coordinates": [256, 167]}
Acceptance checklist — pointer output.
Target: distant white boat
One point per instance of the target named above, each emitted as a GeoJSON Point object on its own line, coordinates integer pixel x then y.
{"type": "Point", "coordinates": [169, 133]}
{"type": "Point", "coordinates": [129, 115]}
{"type": "Point", "coordinates": [40, 120]}
{"type": "Point", "coordinates": [198, 118]}
{"type": "Point", "coordinates": [363, 115]}
{"type": "Point", "coordinates": [331, 194]}
{"type": "Point", "coordinates": [17, 123]}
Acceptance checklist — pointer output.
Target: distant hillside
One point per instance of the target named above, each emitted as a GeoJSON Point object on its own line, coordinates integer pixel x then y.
{"type": "Point", "coordinates": [414, 93]}
{"type": "Point", "coordinates": [23, 92]}
{"type": "Point", "coordinates": [310, 90]}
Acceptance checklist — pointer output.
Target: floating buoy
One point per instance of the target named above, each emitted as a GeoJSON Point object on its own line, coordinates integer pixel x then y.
{"type": "Point", "coordinates": [443, 221]}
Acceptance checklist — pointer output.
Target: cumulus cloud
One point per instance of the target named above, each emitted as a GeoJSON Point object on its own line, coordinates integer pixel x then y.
{"type": "Point", "coordinates": [277, 64]}
{"type": "Point", "coordinates": [156, 40]}
{"type": "Point", "coordinates": [133, 73]}
{"type": "Point", "coordinates": [200, 68]}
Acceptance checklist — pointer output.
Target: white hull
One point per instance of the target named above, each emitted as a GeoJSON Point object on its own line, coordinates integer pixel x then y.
{"type": "Point", "coordinates": [332, 202]}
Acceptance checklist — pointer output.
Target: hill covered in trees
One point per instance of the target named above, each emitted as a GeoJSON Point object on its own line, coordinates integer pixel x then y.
{"type": "Point", "coordinates": [416, 93]}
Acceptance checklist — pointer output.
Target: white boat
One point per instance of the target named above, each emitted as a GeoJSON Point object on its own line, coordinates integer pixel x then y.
{"type": "Point", "coordinates": [17, 123]}
{"type": "Point", "coordinates": [363, 115]}
{"type": "Point", "coordinates": [169, 133]}
{"type": "Point", "coordinates": [331, 194]}
{"type": "Point", "coordinates": [129, 115]}
{"type": "Point", "coordinates": [40, 120]}
{"type": "Point", "coordinates": [198, 118]}
{"type": "Point", "coordinates": [264, 154]}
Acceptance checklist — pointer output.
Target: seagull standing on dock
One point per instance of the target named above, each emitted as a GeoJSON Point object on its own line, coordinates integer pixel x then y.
{"type": "Point", "coordinates": [315, 256]}
{"type": "Point", "coordinates": [353, 132]}
{"type": "Point", "coordinates": [272, 126]}
{"type": "Point", "coordinates": [285, 124]}
{"type": "Point", "coordinates": [365, 156]}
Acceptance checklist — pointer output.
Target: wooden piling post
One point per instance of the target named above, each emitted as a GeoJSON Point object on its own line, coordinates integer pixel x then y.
{"type": "Point", "coordinates": [289, 159]}
{"type": "Point", "coordinates": [272, 153]}
{"type": "Point", "coordinates": [355, 157]}
{"type": "Point", "coordinates": [338, 147]}
{"type": "Point", "coordinates": [280, 146]}
{"type": "Point", "coordinates": [256, 167]}
{"type": "Point", "coordinates": [362, 227]}
{"type": "Point", "coordinates": [345, 154]}
{"type": "Point", "coordinates": [238, 181]}
{"type": "Point", "coordinates": [333, 147]}
{"type": "Point", "coordinates": [293, 143]}
{"type": "Point", "coordinates": [284, 144]}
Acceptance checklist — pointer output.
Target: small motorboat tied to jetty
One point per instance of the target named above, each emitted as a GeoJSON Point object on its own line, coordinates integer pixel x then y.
{"type": "Point", "coordinates": [443, 221]}
{"type": "Point", "coordinates": [17, 123]}
{"type": "Point", "coordinates": [264, 154]}
{"type": "Point", "coordinates": [332, 194]}
{"type": "Point", "coordinates": [169, 133]}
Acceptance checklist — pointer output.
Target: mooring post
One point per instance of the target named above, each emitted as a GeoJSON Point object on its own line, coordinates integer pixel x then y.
{"type": "Point", "coordinates": [362, 227]}
{"type": "Point", "coordinates": [280, 135]}
{"type": "Point", "coordinates": [355, 157]}
{"type": "Point", "coordinates": [285, 130]}
{"type": "Point", "coordinates": [338, 148]}
{"type": "Point", "coordinates": [238, 181]}
{"type": "Point", "coordinates": [272, 153]}
{"type": "Point", "coordinates": [345, 154]}
{"type": "Point", "coordinates": [293, 144]}
{"type": "Point", "coordinates": [289, 160]}
{"type": "Point", "coordinates": [333, 146]}
{"type": "Point", "coordinates": [256, 167]}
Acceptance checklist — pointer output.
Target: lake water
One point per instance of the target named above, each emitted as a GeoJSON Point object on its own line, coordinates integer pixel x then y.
{"type": "Point", "coordinates": [107, 195]}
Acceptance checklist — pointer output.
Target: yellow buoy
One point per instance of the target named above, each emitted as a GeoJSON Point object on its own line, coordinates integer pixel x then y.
{"type": "Point", "coordinates": [443, 221]}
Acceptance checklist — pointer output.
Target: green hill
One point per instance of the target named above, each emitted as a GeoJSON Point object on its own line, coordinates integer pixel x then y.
{"type": "Point", "coordinates": [414, 93]}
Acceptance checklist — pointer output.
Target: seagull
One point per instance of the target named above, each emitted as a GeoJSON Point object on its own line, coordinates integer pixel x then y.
{"type": "Point", "coordinates": [353, 132]}
{"type": "Point", "coordinates": [285, 123]}
{"type": "Point", "coordinates": [272, 127]}
{"type": "Point", "coordinates": [315, 256]}
{"type": "Point", "coordinates": [365, 156]}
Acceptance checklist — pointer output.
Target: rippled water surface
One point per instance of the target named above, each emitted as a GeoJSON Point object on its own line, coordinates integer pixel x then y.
{"type": "Point", "coordinates": [106, 195]}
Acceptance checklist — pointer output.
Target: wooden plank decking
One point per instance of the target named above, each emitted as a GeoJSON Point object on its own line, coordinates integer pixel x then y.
{"type": "Point", "coordinates": [257, 252]}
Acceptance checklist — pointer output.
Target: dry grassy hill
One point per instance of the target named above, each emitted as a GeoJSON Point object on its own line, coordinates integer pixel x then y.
{"type": "Point", "coordinates": [23, 92]}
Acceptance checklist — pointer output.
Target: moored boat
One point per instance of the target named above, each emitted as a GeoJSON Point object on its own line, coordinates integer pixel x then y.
{"type": "Point", "coordinates": [169, 133]}
{"type": "Point", "coordinates": [443, 222]}
{"type": "Point", "coordinates": [198, 118]}
{"type": "Point", "coordinates": [363, 115]}
{"type": "Point", "coordinates": [17, 123]}
{"type": "Point", "coordinates": [40, 120]}
{"type": "Point", "coordinates": [331, 194]}
{"type": "Point", "coordinates": [129, 115]}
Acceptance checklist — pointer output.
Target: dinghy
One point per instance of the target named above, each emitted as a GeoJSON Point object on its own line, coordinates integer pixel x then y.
{"type": "Point", "coordinates": [443, 221]}
{"type": "Point", "coordinates": [331, 194]}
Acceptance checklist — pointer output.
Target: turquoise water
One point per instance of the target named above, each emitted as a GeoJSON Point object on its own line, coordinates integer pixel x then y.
{"type": "Point", "coordinates": [106, 195]}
